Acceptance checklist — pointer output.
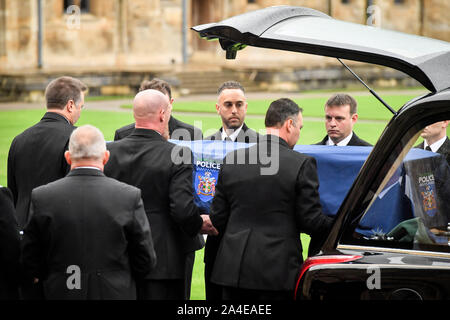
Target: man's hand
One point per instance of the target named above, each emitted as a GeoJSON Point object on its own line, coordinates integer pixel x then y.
{"type": "Point", "coordinates": [207, 227]}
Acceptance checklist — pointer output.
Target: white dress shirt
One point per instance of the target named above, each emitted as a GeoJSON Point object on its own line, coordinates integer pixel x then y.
{"type": "Point", "coordinates": [435, 146]}
{"type": "Point", "coordinates": [341, 143]}
{"type": "Point", "coordinates": [233, 136]}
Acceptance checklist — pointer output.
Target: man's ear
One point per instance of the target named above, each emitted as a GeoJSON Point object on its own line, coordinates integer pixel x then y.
{"type": "Point", "coordinates": [354, 118]}
{"type": "Point", "coordinates": [70, 104]}
{"type": "Point", "coordinates": [106, 157]}
{"type": "Point", "coordinates": [288, 123]}
{"type": "Point", "coordinates": [162, 115]}
{"type": "Point", "coordinates": [67, 157]}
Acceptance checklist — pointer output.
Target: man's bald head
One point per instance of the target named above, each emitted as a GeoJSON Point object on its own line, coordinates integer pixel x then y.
{"type": "Point", "coordinates": [148, 104]}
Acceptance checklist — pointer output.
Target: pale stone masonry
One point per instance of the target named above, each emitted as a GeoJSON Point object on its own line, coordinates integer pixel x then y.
{"type": "Point", "coordinates": [136, 34]}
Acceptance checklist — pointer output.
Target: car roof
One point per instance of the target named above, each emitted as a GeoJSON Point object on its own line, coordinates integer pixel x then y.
{"type": "Point", "coordinates": [310, 31]}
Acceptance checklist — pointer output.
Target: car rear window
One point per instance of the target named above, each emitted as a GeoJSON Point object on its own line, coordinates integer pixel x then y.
{"type": "Point", "coordinates": [411, 208]}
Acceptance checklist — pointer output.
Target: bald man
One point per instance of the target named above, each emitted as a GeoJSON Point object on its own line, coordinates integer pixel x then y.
{"type": "Point", "coordinates": [163, 171]}
{"type": "Point", "coordinates": [88, 237]}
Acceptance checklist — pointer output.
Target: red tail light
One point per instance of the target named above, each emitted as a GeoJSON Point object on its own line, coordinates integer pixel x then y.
{"type": "Point", "coordinates": [313, 261]}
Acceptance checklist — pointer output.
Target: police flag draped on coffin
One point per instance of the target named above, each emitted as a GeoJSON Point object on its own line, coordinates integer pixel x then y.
{"type": "Point", "coordinates": [337, 169]}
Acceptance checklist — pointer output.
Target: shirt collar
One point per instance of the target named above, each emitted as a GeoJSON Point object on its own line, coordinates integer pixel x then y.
{"type": "Point", "coordinates": [87, 167]}
{"type": "Point", "coordinates": [341, 143]}
{"type": "Point", "coordinates": [232, 136]}
{"type": "Point", "coordinates": [435, 146]}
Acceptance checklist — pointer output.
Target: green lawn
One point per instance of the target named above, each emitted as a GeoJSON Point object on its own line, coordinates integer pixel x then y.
{"type": "Point", "coordinates": [368, 106]}
{"type": "Point", "coordinates": [14, 122]}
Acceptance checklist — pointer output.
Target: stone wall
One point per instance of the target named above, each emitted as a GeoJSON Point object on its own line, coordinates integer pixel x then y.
{"type": "Point", "coordinates": [147, 33]}
{"type": "Point", "coordinates": [123, 37]}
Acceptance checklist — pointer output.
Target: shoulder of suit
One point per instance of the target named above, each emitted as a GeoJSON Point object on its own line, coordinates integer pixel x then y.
{"type": "Point", "coordinates": [181, 124]}
{"type": "Point", "coordinates": [215, 136]}
{"type": "Point", "coordinates": [323, 141]}
{"type": "Point", "coordinates": [123, 132]}
{"type": "Point", "coordinates": [61, 126]}
{"type": "Point", "coordinates": [357, 141]}
{"type": "Point", "coordinates": [251, 132]}
{"type": "Point", "coordinates": [126, 128]}
{"type": "Point", "coordinates": [122, 187]}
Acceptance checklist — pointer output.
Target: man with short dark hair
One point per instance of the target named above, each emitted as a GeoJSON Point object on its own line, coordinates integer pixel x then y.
{"type": "Point", "coordinates": [340, 117]}
{"type": "Point", "coordinates": [232, 108]}
{"type": "Point", "coordinates": [88, 237]}
{"type": "Point", "coordinates": [260, 253]}
{"type": "Point", "coordinates": [178, 130]}
{"type": "Point", "coordinates": [36, 156]}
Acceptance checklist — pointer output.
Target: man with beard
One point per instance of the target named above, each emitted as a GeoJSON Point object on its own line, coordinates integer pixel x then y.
{"type": "Point", "coordinates": [232, 107]}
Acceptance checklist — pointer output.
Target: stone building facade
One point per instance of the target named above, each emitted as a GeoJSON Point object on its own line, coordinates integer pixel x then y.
{"type": "Point", "coordinates": [99, 36]}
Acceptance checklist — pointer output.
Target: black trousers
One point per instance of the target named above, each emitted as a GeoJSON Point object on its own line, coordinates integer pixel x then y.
{"type": "Point", "coordinates": [190, 259]}
{"type": "Point", "coordinates": [213, 292]}
{"type": "Point", "coordinates": [150, 289]}
{"type": "Point", "coordinates": [168, 289]}
{"type": "Point", "coordinates": [230, 293]}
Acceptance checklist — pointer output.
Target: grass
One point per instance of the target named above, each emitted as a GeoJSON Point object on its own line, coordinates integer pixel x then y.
{"type": "Point", "coordinates": [14, 122]}
{"type": "Point", "coordinates": [368, 106]}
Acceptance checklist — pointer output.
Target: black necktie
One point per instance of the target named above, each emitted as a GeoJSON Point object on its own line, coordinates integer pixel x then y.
{"type": "Point", "coordinates": [228, 139]}
{"type": "Point", "coordinates": [428, 148]}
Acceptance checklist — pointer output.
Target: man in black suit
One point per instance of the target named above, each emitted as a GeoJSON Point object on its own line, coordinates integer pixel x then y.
{"type": "Point", "coordinates": [9, 247]}
{"type": "Point", "coordinates": [261, 211]}
{"type": "Point", "coordinates": [340, 117]}
{"type": "Point", "coordinates": [435, 139]}
{"type": "Point", "coordinates": [88, 235]}
{"type": "Point", "coordinates": [163, 171]}
{"type": "Point", "coordinates": [232, 107]}
{"type": "Point", "coordinates": [36, 156]}
{"type": "Point", "coordinates": [178, 130]}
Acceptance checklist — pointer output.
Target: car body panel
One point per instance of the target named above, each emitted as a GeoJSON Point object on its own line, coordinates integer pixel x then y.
{"type": "Point", "coordinates": [310, 31]}
{"type": "Point", "coordinates": [386, 269]}
{"type": "Point", "coordinates": [388, 274]}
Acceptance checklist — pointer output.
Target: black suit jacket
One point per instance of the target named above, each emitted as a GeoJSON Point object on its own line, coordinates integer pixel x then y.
{"type": "Point", "coordinates": [36, 157]}
{"type": "Point", "coordinates": [145, 159]}
{"type": "Point", "coordinates": [246, 135]}
{"type": "Point", "coordinates": [178, 130]}
{"type": "Point", "coordinates": [354, 141]}
{"type": "Point", "coordinates": [9, 247]}
{"type": "Point", "coordinates": [261, 217]}
{"type": "Point", "coordinates": [95, 223]}
{"type": "Point", "coordinates": [444, 149]}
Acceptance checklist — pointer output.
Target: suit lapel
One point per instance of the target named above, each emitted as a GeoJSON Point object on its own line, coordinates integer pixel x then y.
{"type": "Point", "coordinates": [445, 148]}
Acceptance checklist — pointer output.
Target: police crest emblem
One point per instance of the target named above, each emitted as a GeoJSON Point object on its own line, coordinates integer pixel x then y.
{"type": "Point", "coordinates": [206, 184]}
{"type": "Point", "coordinates": [428, 194]}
